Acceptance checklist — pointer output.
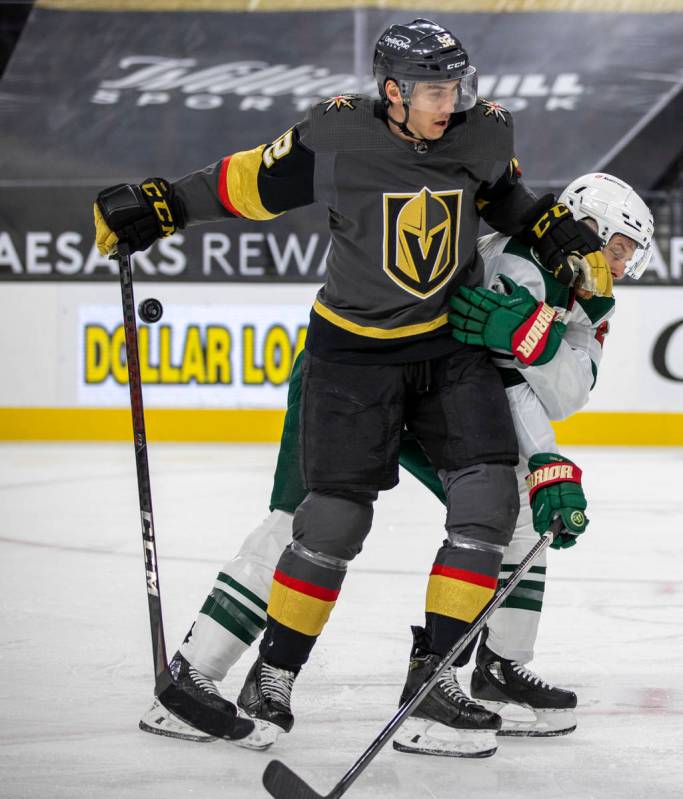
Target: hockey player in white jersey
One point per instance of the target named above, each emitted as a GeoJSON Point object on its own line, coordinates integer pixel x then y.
{"type": "Point", "coordinates": [558, 385]}
{"type": "Point", "coordinates": [553, 390]}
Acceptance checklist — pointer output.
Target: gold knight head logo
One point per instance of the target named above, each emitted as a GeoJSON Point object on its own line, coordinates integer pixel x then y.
{"type": "Point", "coordinates": [421, 239]}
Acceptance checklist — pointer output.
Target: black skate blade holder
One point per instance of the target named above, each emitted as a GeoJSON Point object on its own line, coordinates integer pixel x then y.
{"type": "Point", "coordinates": [282, 783]}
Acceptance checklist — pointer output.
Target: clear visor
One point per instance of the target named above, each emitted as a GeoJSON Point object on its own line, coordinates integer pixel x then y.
{"type": "Point", "coordinates": [634, 256]}
{"type": "Point", "coordinates": [640, 261]}
{"type": "Point", "coordinates": [447, 96]}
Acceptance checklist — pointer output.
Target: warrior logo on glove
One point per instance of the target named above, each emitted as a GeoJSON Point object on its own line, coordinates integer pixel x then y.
{"type": "Point", "coordinates": [514, 322]}
{"type": "Point", "coordinates": [555, 490]}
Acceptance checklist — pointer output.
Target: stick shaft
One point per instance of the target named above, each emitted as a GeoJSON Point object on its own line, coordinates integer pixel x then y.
{"type": "Point", "coordinates": [458, 647]}
{"type": "Point", "coordinates": [142, 466]}
{"type": "Point", "coordinates": [282, 783]}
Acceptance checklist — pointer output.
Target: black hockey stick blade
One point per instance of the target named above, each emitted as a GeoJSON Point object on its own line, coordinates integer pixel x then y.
{"type": "Point", "coordinates": [282, 783]}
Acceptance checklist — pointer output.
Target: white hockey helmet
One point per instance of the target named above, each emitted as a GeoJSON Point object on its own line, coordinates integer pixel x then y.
{"type": "Point", "coordinates": [616, 208]}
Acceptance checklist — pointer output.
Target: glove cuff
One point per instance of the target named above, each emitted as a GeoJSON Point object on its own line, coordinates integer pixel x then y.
{"type": "Point", "coordinates": [161, 198]}
{"type": "Point", "coordinates": [532, 214]}
{"type": "Point", "coordinates": [556, 472]}
{"type": "Point", "coordinates": [530, 339]}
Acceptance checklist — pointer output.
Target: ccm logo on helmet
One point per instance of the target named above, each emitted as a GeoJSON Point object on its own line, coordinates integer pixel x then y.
{"type": "Point", "coordinates": [399, 42]}
{"type": "Point", "coordinates": [456, 65]}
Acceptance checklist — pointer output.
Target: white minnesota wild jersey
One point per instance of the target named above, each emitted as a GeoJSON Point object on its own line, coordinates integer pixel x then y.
{"type": "Point", "coordinates": [564, 383]}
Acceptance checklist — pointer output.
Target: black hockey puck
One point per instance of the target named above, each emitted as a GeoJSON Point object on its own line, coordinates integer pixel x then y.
{"type": "Point", "coordinates": [150, 310]}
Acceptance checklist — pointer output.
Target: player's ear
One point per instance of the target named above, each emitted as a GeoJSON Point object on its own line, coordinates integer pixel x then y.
{"type": "Point", "coordinates": [392, 91]}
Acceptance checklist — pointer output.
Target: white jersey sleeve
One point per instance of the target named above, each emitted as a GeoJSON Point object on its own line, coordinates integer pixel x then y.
{"type": "Point", "coordinates": [532, 425]}
{"type": "Point", "coordinates": [563, 384]}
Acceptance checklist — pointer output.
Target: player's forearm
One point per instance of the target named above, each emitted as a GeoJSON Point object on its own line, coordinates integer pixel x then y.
{"type": "Point", "coordinates": [507, 206]}
{"type": "Point", "coordinates": [199, 196]}
{"type": "Point", "coordinates": [257, 184]}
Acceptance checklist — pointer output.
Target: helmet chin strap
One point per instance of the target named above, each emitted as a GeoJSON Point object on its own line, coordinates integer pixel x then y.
{"type": "Point", "coordinates": [420, 143]}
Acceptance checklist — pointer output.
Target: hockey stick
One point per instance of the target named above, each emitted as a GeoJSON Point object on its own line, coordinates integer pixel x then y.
{"type": "Point", "coordinates": [282, 783]}
{"type": "Point", "coordinates": [156, 623]}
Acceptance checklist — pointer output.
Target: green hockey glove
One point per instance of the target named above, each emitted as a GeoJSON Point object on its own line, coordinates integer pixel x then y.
{"type": "Point", "coordinates": [138, 215]}
{"type": "Point", "coordinates": [514, 322]}
{"type": "Point", "coordinates": [554, 485]}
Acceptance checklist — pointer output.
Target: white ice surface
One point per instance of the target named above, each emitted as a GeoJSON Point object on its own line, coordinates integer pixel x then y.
{"type": "Point", "coordinates": [75, 655]}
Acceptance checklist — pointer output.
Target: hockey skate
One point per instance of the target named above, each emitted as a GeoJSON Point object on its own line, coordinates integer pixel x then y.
{"type": "Point", "coordinates": [528, 705]}
{"type": "Point", "coordinates": [265, 698]}
{"type": "Point", "coordinates": [447, 722]}
{"type": "Point", "coordinates": [191, 708]}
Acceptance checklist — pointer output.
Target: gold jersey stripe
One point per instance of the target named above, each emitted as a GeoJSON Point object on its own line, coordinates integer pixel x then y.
{"type": "Point", "coordinates": [242, 184]}
{"type": "Point", "coordinates": [298, 611]}
{"type": "Point", "coordinates": [456, 598]}
{"type": "Point", "coordinates": [495, 6]}
{"type": "Point", "coordinates": [378, 332]}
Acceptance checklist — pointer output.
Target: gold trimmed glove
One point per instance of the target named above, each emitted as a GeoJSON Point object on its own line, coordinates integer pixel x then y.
{"type": "Point", "coordinates": [568, 249]}
{"type": "Point", "coordinates": [138, 215]}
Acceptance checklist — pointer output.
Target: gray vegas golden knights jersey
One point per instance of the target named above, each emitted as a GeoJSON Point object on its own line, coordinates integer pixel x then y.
{"type": "Point", "coordinates": [403, 223]}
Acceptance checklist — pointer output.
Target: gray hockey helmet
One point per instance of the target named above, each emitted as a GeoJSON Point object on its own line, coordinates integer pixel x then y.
{"type": "Point", "coordinates": [423, 52]}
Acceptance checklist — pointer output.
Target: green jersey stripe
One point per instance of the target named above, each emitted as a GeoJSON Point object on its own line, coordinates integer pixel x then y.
{"type": "Point", "coordinates": [224, 606]}
{"type": "Point", "coordinates": [521, 603]}
{"type": "Point", "coordinates": [532, 585]}
{"type": "Point", "coordinates": [232, 604]}
{"type": "Point", "coordinates": [507, 567]}
{"type": "Point", "coordinates": [528, 593]}
{"type": "Point", "coordinates": [250, 595]}
{"type": "Point", "coordinates": [240, 599]}
{"type": "Point", "coordinates": [214, 611]}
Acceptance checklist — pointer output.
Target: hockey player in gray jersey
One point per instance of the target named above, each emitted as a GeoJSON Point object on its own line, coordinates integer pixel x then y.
{"type": "Point", "coordinates": [406, 179]}
{"type": "Point", "coordinates": [234, 613]}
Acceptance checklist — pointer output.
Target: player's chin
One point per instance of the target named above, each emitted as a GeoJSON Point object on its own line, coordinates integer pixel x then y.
{"type": "Point", "coordinates": [437, 129]}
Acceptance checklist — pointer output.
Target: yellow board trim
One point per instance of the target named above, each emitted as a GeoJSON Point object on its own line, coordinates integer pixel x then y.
{"type": "Point", "coordinates": [300, 612]}
{"type": "Point", "coordinates": [242, 179]}
{"type": "Point", "coordinates": [621, 429]}
{"type": "Point", "coordinates": [265, 425]}
{"type": "Point", "coordinates": [378, 332]}
{"type": "Point", "coordinates": [455, 598]}
{"type": "Point", "coordinates": [162, 424]}
{"type": "Point", "coordinates": [495, 6]}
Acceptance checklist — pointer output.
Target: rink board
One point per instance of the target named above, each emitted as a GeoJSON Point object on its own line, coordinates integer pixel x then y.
{"type": "Point", "coordinates": [218, 370]}
{"type": "Point", "coordinates": [128, 103]}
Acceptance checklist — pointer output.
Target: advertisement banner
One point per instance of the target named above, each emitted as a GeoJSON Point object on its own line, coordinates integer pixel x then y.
{"type": "Point", "coordinates": [166, 93]}
{"type": "Point", "coordinates": [240, 355]}
{"type": "Point", "coordinates": [642, 365]}
{"type": "Point", "coordinates": [196, 356]}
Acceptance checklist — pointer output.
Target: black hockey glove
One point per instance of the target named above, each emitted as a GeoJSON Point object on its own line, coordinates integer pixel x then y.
{"type": "Point", "coordinates": [565, 247]}
{"type": "Point", "coordinates": [138, 215]}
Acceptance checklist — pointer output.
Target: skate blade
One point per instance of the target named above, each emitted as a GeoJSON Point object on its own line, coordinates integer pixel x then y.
{"type": "Point", "coordinates": [263, 736]}
{"type": "Point", "coordinates": [424, 737]}
{"type": "Point", "coordinates": [160, 721]}
{"type": "Point", "coordinates": [523, 721]}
